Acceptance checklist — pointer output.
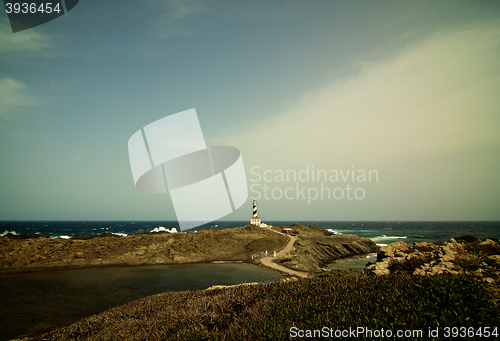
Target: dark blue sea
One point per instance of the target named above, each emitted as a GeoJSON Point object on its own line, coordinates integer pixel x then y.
{"type": "Point", "coordinates": [381, 232]}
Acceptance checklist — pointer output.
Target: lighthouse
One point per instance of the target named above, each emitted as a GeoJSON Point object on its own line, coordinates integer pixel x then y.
{"type": "Point", "coordinates": [255, 220]}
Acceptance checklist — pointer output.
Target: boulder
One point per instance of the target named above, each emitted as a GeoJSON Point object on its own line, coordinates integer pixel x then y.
{"type": "Point", "coordinates": [487, 242]}
{"type": "Point", "coordinates": [447, 253]}
{"type": "Point", "coordinates": [391, 249]}
{"type": "Point", "coordinates": [496, 258]}
{"type": "Point", "coordinates": [443, 267]}
{"type": "Point", "coordinates": [382, 272]}
{"type": "Point", "coordinates": [420, 272]}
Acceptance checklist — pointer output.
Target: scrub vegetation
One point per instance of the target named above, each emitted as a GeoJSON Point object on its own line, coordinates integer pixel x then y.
{"type": "Point", "coordinates": [268, 311]}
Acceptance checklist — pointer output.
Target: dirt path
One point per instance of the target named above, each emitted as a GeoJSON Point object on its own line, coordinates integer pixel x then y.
{"type": "Point", "coordinates": [268, 261]}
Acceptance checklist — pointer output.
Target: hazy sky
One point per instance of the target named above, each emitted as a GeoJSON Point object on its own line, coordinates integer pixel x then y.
{"type": "Point", "coordinates": [409, 89]}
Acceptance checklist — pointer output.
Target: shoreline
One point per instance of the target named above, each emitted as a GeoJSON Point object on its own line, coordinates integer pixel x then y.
{"type": "Point", "coordinates": [281, 270]}
{"type": "Point", "coordinates": [26, 255]}
{"type": "Point", "coordinates": [386, 254]}
{"type": "Point", "coordinates": [60, 298]}
{"type": "Point", "coordinates": [47, 269]}
{"type": "Point", "coordinates": [222, 311]}
{"type": "Point", "coordinates": [240, 244]}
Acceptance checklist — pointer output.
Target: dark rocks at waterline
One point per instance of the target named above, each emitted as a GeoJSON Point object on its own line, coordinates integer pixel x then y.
{"type": "Point", "coordinates": [23, 235]}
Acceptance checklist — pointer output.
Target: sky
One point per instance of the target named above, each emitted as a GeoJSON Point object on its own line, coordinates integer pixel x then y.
{"type": "Point", "coordinates": [406, 90]}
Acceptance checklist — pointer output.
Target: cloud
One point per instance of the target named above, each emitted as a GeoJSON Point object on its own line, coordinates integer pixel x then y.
{"type": "Point", "coordinates": [435, 97]}
{"type": "Point", "coordinates": [12, 97]}
{"type": "Point", "coordinates": [28, 41]}
{"type": "Point", "coordinates": [176, 16]}
{"type": "Point", "coordinates": [182, 8]}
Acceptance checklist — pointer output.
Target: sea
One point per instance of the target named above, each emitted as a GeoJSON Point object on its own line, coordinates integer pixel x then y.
{"type": "Point", "coordinates": [60, 297]}
{"type": "Point", "coordinates": [381, 232]}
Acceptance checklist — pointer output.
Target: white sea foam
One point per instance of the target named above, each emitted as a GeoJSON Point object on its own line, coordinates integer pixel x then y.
{"type": "Point", "coordinates": [69, 237]}
{"type": "Point", "coordinates": [385, 240]}
{"type": "Point", "coordinates": [333, 231]}
{"type": "Point", "coordinates": [384, 237]}
{"type": "Point", "coordinates": [62, 237]}
{"type": "Point", "coordinates": [163, 229]}
{"type": "Point", "coordinates": [7, 232]}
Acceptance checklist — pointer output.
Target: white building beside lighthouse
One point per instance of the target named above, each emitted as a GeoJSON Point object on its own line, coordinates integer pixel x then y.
{"type": "Point", "coordinates": [255, 220]}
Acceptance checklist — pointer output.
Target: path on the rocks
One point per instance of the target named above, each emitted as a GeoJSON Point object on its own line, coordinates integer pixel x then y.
{"type": "Point", "coordinates": [268, 261]}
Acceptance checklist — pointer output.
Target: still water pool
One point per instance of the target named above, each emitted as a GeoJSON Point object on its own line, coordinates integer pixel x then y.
{"type": "Point", "coordinates": [61, 297]}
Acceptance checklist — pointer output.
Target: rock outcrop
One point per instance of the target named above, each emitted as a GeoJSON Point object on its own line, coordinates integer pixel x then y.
{"type": "Point", "coordinates": [461, 255]}
{"type": "Point", "coordinates": [316, 247]}
{"type": "Point", "coordinates": [237, 244]}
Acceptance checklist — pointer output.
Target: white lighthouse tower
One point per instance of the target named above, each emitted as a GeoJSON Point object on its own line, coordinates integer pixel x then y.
{"type": "Point", "coordinates": [255, 220]}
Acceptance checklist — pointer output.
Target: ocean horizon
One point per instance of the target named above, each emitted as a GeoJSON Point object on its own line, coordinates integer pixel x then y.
{"type": "Point", "coordinates": [381, 232]}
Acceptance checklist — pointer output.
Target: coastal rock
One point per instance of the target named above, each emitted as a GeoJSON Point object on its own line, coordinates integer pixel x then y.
{"type": "Point", "coordinates": [495, 258]}
{"type": "Point", "coordinates": [462, 255]}
{"type": "Point", "coordinates": [442, 267]}
{"type": "Point", "coordinates": [391, 250]}
{"type": "Point", "coordinates": [487, 242]}
{"type": "Point", "coordinates": [380, 268]}
{"type": "Point", "coordinates": [215, 287]}
{"type": "Point", "coordinates": [237, 244]}
{"type": "Point", "coordinates": [316, 248]}
{"type": "Point", "coordinates": [381, 272]}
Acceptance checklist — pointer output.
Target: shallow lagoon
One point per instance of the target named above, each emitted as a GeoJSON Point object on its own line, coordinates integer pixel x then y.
{"type": "Point", "coordinates": [61, 297]}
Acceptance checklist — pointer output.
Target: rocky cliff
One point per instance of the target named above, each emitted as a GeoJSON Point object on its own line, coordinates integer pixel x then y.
{"type": "Point", "coordinates": [316, 247]}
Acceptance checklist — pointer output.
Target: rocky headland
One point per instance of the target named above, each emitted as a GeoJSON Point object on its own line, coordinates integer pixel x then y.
{"type": "Point", "coordinates": [461, 255]}
{"type": "Point", "coordinates": [237, 244]}
{"type": "Point", "coordinates": [314, 247]}
{"type": "Point", "coordinates": [466, 255]}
